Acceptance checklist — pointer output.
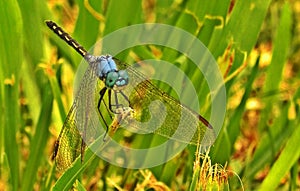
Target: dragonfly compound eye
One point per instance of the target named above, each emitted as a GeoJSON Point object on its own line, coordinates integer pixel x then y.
{"type": "Point", "coordinates": [123, 78]}
{"type": "Point", "coordinates": [111, 79]}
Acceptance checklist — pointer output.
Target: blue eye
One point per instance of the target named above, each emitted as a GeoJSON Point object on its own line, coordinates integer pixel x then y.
{"type": "Point", "coordinates": [111, 79]}
{"type": "Point", "coordinates": [123, 78]}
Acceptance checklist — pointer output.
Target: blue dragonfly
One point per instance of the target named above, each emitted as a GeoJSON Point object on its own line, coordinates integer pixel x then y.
{"type": "Point", "coordinates": [130, 95]}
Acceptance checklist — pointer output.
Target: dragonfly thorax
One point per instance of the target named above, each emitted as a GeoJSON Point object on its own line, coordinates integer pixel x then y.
{"type": "Point", "coordinates": [108, 72]}
{"type": "Point", "coordinates": [105, 65]}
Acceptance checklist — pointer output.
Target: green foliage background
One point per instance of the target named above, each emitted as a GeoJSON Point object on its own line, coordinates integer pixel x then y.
{"type": "Point", "coordinates": [255, 42]}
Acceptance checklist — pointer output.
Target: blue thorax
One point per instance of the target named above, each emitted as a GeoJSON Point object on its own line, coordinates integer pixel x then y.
{"type": "Point", "coordinates": [108, 72]}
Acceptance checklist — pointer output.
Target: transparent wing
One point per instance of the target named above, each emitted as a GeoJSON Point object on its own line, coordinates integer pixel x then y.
{"type": "Point", "coordinates": [157, 112]}
{"type": "Point", "coordinates": [87, 118]}
{"type": "Point", "coordinates": [68, 144]}
{"type": "Point", "coordinates": [81, 122]}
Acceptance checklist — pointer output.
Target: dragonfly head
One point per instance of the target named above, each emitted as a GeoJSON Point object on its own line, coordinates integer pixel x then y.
{"type": "Point", "coordinates": [116, 79]}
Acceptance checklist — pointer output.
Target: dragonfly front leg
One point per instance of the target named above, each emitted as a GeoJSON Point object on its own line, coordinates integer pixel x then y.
{"type": "Point", "coordinates": [102, 93]}
{"type": "Point", "coordinates": [121, 112]}
{"type": "Point", "coordinates": [120, 108]}
{"type": "Point", "coordinates": [110, 105]}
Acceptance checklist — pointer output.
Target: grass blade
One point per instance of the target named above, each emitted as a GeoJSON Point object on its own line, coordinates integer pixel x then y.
{"type": "Point", "coordinates": [279, 55]}
{"type": "Point", "coordinates": [10, 62]}
{"type": "Point", "coordinates": [284, 163]}
{"type": "Point", "coordinates": [39, 141]}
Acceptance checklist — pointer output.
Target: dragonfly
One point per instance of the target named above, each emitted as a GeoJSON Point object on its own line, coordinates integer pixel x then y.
{"type": "Point", "coordinates": [132, 99]}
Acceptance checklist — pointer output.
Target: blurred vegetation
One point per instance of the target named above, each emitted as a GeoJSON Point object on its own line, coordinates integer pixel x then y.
{"type": "Point", "coordinates": [256, 44]}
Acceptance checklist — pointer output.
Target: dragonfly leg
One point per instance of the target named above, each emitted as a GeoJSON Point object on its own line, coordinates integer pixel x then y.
{"type": "Point", "coordinates": [102, 93]}
{"type": "Point", "coordinates": [117, 104]}
{"type": "Point", "coordinates": [109, 102]}
{"type": "Point", "coordinates": [106, 106]}
{"type": "Point", "coordinates": [125, 97]}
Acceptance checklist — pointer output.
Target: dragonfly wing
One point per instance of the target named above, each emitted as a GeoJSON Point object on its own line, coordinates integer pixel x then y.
{"type": "Point", "coordinates": [157, 112]}
{"type": "Point", "coordinates": [67, 147]}
{"type": "Point", "coordinates": [87, 118]}
{"type": "Point", "coordinates": [82, 122]}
